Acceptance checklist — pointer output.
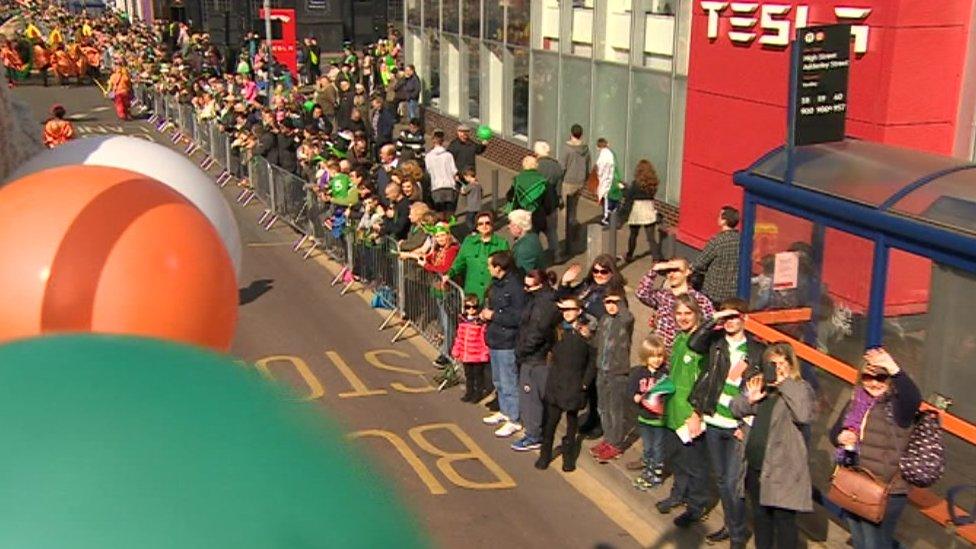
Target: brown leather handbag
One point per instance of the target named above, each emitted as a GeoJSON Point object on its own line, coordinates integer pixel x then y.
{"type": "Point", "coordinates": [858, 491]}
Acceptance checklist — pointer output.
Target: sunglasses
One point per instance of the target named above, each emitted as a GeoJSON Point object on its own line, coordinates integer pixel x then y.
{"type": "Point", "coordinates": [876, 377]}
{"type": "Point", "coordinates": [564, 309]}
{"type": "Point", "coordinates": [611, 302]}
{"type": "Point", "coordinates": [483, 223]}
{"type": "Point", "coordinates": [600, 271]}
{"type": "Point", "coordinates": [470, 307]}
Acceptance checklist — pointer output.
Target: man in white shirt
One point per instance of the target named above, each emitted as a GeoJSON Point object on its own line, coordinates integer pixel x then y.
{"type": "Point", "coordinates": [440, 165]}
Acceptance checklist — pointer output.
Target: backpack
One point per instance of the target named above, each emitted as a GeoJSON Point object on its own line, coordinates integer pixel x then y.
{"type": "Point", "coordinates": [923, 461]}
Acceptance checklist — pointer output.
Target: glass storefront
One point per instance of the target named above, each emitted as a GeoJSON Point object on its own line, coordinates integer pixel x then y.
{"type": "Point", "coordinates": [530, 70]}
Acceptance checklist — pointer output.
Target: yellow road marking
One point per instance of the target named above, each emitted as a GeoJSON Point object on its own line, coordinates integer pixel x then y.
{"type": "Point", "coordinates": [446, 459]}
{"type": "Point", "coordinates": [428, 478]}
{"type": "Point", "coordinates": [604, 500]}
{"type": "Point", "coordinates": [359, 388]}
{"type": "Point", "coordinates": [373, 357]}
{"type": "Point", "coordinates": [316, 390]}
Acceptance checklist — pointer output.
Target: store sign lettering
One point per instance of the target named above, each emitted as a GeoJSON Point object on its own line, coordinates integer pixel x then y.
{"type": "Point", "coordinates": [772, 25]}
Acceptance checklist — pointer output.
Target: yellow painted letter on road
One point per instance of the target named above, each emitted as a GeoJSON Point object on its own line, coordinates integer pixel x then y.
{"type": "Point", "coordinates": [446, 459]}
{"type": "Point", "coordinates": [435, 487]}
{"type": "Point", "coordinates": [373, 357]}
{"type": "Point", "coordinates": [315, 388]}
{"type": "Point", "coordinates": [359, 388]}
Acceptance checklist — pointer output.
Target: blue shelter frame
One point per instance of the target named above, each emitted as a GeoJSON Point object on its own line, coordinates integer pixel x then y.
{"type": "Point", "coordinates": [921, 203]}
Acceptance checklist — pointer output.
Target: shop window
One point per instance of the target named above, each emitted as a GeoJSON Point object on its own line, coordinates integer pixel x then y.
{"type": "Point", "coordinates": [615, 38]}
{"type": "Point", "coordinates": [610, 98]}
{"type": "Point", "coordinates": [547, 26]}
{"type": "Point", "coordinates": [650, 121]}
{"type": "Point", "coordinates": [544, 97]}
{"type": "Point", "coordinates": [520, 92]}
{"type": "Point", "coordinates": [432, 14]}
{"type": "Point", "coordinates": [433, 87]}
{"type": "Point", "coordinates": [518, 23]}
{"type": "Point", "coordinates": [581, 34]}
{"type": "Point", "coordinates": [450, 75]}
{"type": "Point", "coordinates": [473, 53]}
{"type": "Point", "coordinates": [414, 15]}
{"type": "Point", "coordinates": [575, 81]}
{"type": "Point", "coordinates": [450, 15]}
{"type": "Point", "coordinates": [471, 18]}
{"type": "Point", "coordinates": [494, 21]}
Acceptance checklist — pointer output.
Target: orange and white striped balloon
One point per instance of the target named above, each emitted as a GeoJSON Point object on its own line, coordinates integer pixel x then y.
{"type": "Point", "coordinates": [96, 249]}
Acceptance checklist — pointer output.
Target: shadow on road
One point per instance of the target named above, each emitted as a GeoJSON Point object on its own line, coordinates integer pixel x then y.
{"type": "Point", "coordinates": [255, 290]}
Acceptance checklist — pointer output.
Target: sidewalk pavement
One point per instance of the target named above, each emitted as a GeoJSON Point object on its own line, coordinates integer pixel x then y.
{"type": "Point", "coordinates": [614, 476]}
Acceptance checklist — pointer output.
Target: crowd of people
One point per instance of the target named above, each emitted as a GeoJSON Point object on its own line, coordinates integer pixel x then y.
{"type": "Point", "coordinates": [715, 409]}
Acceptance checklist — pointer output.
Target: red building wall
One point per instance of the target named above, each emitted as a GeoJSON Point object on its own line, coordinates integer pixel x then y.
{"type": "Point", "coordinates": [904, 90]}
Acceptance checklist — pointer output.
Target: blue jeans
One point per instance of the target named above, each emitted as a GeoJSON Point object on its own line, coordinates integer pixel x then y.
{"type": "Point", "coordinates": [868, 535]}
{"type": "Point", "coordinates": [727, 455]}
{"type": "Point", "coordinates": [504, 374]}
{"type": "Point", "coordinates": [443, 318]}
{"type": "Point", "coordinates": [652, 438]}
{"type": "Point", "coordinates": [413, 109]}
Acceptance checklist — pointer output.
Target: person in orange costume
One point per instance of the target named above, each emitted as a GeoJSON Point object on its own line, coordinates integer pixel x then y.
{"type": "Point", "coordinates": [64, 67]}
{"type": "Point", "coordinates": [93, 57]}
{"type": "Point", "coordinates": [11, 61]}
{"type": "Point", "coordinates": [57, 130]}
{"type": "Point", "coordinates": [42, 59]}
{"type": "Point", "coordinates": [120, 88]}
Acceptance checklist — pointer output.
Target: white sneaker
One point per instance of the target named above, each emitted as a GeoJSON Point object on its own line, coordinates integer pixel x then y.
{"type": "Point", "coordinates": [495, 419]}
{"type": "Point", "coordinates": [508, 429]}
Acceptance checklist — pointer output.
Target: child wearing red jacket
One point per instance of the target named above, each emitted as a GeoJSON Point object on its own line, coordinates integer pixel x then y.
{"type": "Point", "coordinates": [471, 350]}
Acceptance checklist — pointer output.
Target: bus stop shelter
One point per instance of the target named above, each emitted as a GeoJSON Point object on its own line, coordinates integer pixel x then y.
{"type": "Point", "coordinates": [858, 245]}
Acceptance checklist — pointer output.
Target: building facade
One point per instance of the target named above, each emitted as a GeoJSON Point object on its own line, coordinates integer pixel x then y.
{"type": "Point", "coordinates": [699, 87]}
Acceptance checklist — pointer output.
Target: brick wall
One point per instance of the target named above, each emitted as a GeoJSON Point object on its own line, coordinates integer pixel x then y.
{"type": "Point", "coordinates": [509, 155]}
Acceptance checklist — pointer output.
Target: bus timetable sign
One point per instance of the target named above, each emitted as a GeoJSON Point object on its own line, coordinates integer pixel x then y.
{"type": "Point", "coordinates": [821, 63]}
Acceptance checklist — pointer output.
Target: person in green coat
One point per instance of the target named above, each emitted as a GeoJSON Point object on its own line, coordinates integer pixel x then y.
{"type": "Point", "coordinates": [527, 249]}
{"type": "Point", "coordinates": [685, 445]}
{"type": "Point", "coordinates": [472, 259]}
{"type": "Point", "coordinates": [532, 192]}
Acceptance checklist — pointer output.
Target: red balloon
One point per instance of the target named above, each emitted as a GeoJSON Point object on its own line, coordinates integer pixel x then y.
{"type": "Point", "coordinates": [96, 249]}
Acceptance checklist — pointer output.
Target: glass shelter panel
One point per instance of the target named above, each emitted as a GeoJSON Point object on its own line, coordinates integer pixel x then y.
{"type": "Point", "coordinates": [788, 253]}
{"type": "Point", "coordinates": [859, 171]}
{"type": "Point", "coordinates": [948, 202]}
{"type": "Point", "coordinates": [520, 92]}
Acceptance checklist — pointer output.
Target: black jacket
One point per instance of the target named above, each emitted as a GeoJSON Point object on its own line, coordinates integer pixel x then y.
{"type": "Point", "coordinates": [465, 153]}
{"type": "Point", "coordinates": [537, 333]}
{"type": "Point", "coordinates": [507, 300]}
{"type": "Point", "coordinates": [386, 121]}
{"type": "Point", "coordinates": [408, 88]}
{"type": "Point", "coordinates": [287, 152]}
{"type": "Point", "coordinates": [399, 226]}
{"type": "Point", "coordinates": [572, 369]}
{"type": "Point", "coordinates": [710, 343]}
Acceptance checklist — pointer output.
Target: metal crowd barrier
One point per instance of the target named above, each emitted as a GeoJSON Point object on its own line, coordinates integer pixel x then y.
{"type": "Point", "coordinates": [414, 295]}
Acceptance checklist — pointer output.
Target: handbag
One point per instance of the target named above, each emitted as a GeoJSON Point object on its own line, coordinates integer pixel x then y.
{"type": "Point", "coordinates": [857, 491]}
{"type": "Point", "coordinates": [924, 460]}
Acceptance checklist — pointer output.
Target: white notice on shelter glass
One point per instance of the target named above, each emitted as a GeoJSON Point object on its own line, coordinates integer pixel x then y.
{"type": "Point", "coordinates": [786, 270]}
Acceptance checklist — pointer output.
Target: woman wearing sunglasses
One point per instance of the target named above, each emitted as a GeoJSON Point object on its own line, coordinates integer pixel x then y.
{"type": "Point", "coordinates": [872, 433]}
{"type": "Point", "coordinates": [591, 291]}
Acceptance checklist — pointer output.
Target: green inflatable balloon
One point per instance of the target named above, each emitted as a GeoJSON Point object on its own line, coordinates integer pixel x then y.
{"type": "Point", "coordinates": [483, 133]}
{"type": "Point", "coordinates": [308, 105]}
{"type": "Point", "coordinates": [115, 442]}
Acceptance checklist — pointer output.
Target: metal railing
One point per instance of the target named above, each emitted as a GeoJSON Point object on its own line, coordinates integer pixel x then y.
{"type": "Point", "coordinates": [414, 295]}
